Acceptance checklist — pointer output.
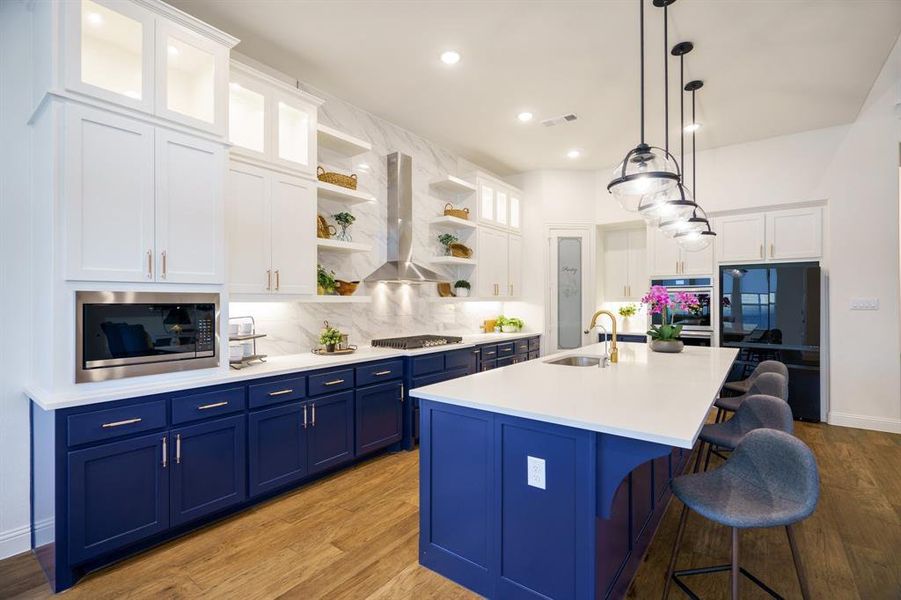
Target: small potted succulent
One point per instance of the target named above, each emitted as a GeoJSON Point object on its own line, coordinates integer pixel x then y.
{"type": "Point", "coordinates": [509, 324]}
{"type": "Point", "coordinates": [446, 239]}
{"type": "Point", "coordinates": [461, 288]}
{"type": "Point", "coordinates": [665, 337]}
{"type": "Point", "coordinates": [329, 337]}
{"type": "Point", "coordinates": [344, 220]}
{"type": "Point", "coordinates": [325, 281]}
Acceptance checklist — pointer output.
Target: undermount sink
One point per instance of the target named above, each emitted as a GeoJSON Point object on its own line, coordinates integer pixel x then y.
{"type": "Point", "coordinates": [576, 361]}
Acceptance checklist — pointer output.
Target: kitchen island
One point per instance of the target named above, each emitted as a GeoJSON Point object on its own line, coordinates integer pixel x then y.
{"type": "Point", "coordinates": [542, 480]}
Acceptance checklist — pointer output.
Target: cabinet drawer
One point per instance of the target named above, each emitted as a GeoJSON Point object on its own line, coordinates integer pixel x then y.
{"type": "Point", "coordinates": [208, 404]}
{"type": "Point", "coordinates": [534, 344]}
{"type": "Point", "coordinates": [333, 381]}
{"type": "Point", "coordinates": [379, 372]}
{"type": "Point", "coordinates": [276, 392]}
{"type": "Point", "coordinates": [487, 365]}
{"type": "Point", "coordinates": [423, 365]}
{"type": "Point", "coordinates": [504, 350]}
{"type": "Point", "coordinates": [503, 362]}
{"type": "Point", "coordinates": [112, 423]}
{"type": "Point", "coordinates": [458, 359]}
{"type": "Point", "coordinates": [521, 346]}
{"type": "Point", "coordinates": [488, 352]}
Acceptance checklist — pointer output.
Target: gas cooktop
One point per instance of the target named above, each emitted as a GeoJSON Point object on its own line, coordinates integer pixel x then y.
{"type": "Point", "coordinates": [416, 341]}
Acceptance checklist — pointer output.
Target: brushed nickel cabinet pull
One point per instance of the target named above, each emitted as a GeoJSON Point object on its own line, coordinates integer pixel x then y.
{"type": "Point", "coordinates": [313, 411]}
{"type": "Point", "coordinates": [150, 264]}
{"type": "Point", "coordinates": [280, 392]}
{"type": "Point", "coordinates": [178, 448]}
{"type": "Point", "coordinates": [682, 267]}
{"type": "Point", "coordinates": [761, 250]}
{"type": "Point", "coordinates": [165, 452]}
{"type": "Point", "coordinates": [772, 250]}
{"type": "Point", "coordinates": [677, 266]}
{"type": "Point", "coordinates": [165, 267]}
{"type": "Point", "coordinates": [268, 280]}
{"type": "Point", "coordinates": [121, 423]}
{"type": "Point", "coordinates": [401, 392]}
{"type": "Point", "coordinates": [304, 416]}
{"type": "Point", "coordinates": [380, 373]}
{"type": "Point", "coordinates": [213, 405]}
{"type": "Point", "coordinates": [278, 280]}
{"type": "Point", "coordinates": [335, 382]}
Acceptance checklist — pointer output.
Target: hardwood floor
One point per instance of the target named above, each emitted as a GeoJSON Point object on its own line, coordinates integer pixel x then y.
{"type": "Point", "coordinates": [354, 535]}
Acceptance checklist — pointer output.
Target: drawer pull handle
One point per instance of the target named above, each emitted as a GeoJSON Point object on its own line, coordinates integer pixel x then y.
{"type": "Point", "coordinates": [165, 452]}
{"type": "Point", "coordinates": [121, 423]}
{"type": "Point", "coordinates": [178, 448]}
{"type": "Point", "coordinates": [313, 409]}
{"type": "Point", "coordinates": [380, 373]}
{"type": "Point", "coordinates": [280, 392]}
{"type": "Point", "coordinates": [213, 405]}
{"type": "Point", "coordinates": [335, 382]}
{"type": "Point", "coordinates": [304, 416]}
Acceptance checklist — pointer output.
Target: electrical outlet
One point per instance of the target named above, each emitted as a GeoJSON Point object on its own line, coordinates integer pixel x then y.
{"type": "Point", "coordinates": [536, 472]}
{"type": "Point", "coordinates": [864, 303]}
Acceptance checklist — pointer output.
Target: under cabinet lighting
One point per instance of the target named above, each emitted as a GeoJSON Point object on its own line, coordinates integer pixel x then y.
{"type": "Point", "coordinates": [450, 57]}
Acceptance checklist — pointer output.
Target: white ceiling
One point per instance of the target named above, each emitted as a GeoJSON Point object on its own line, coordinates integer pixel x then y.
{"type": "Point", "coordinates": [771, 67]}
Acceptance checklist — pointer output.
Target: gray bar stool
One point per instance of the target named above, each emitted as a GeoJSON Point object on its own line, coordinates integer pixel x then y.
{"type": "Point", "coordinates": [770, 480]}
{"type": "Point", "coordinates": [758, 411]}
{"type": "Point", "coordinates": [771, 383]}
{"type": "Point", "coordinates": [767, 366]}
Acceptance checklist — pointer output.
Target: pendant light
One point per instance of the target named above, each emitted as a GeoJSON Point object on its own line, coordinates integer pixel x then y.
{"type": "Point", "coordinates": [697, 235]}
{"type": "Point", "coordinates": [645, 169]}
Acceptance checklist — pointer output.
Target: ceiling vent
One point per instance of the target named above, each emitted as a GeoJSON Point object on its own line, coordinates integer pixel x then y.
{"type": "Point", "coordinates": [567, 118]}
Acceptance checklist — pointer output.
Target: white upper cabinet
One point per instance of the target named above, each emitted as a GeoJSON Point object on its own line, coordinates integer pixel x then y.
{"type": "Point", "coordinates": [499, 204]}
{"type": "Point", "coordinates": [740, 238]}
{"type": "Point", "coordinates": [668, 259]}
{"type": "Point", "coordinates": [625, 264]}
{"type": "Point", "coordinates": [272, 122]}
{"type": "Point", "coordinates": [292, 212]}
{"type": "Point", "coordinates": [486, 204]}
{"type": "Point", "coordinates": [247, 229]}
{"type": "Point", "coordinates": [493, 272]}
{"type": "Point", "coordinates": [795, 234]}
{"type": "Point", "coordinates": [514, 266]}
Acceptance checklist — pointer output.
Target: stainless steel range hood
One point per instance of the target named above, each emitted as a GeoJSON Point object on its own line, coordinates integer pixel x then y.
{"type": "Point", "coordinates": [400, 266]}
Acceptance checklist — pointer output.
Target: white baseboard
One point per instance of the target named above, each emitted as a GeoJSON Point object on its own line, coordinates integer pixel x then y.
{"type": "Point", "coordinates": [864, 422]}
{"type": "Point", "coordinates": [15, 541]}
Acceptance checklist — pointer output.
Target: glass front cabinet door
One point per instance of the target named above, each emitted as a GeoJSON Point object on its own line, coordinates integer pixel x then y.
{"type": "Point", "coordinates": [294, 132]}
{"type": "Point", "coordinates": [249, 115]}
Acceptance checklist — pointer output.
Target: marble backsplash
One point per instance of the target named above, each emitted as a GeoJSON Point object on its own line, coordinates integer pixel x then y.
{"type": "Point", "coordinates": [396, 309]}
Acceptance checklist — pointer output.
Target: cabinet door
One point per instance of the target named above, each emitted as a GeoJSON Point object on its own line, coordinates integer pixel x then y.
{"type": "Point", "coordinates": [278, 447]}
{"type": "Point", "coordinates": [639, 279]}
{"type": "Point", "coordinates": [616, 265]}
{"type": "Point", "coordinates": [249, 116]}
{"type": "Point", "coordinates": [514, 265]}
{"type": "Point", "coordinates": [486, 204]}
{"type": "Point", "coordinates": [492, 263]}
{"type": "Point", "coordinates": [109, 51]}
{"type": "Point", "coordinates": [292, 204]}
{"type": "Point", "coordinates": [209, 464]}
{"type": "Point", "coordinates": [109, 196]}
{"type": "Point", "coordinates": [665, 255]}
{"type": "Point", "coordinates": [191, 78]}
{"type": "Point", "coordinates": [247, 229]}
{"type": "Point", "coordinates": [189, 209]}
{"type": "Point", "coordinates": [331, 431]}
{"type": "Point", "coordinates": [793, 234]}
{"type": "Point", "coordinates": [699, 262]}
{"type": "Point", "coordinates": [379, 416]}
{"type": "Point", "coordinates": [118, 495]}
{"type": "Point", "coordinates": [740, 238]}
{"type": "Point", "coordinates": [294, 132]}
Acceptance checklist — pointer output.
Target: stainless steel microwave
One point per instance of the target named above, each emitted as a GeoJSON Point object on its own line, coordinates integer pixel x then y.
{"type": "Point", "coordinates": [126, 334]}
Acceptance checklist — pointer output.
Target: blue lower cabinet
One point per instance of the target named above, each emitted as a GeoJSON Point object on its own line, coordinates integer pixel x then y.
{"type": "Point", "coordinates": [118, 495]}
{"type": "Point", "coordinates": [208, 466]}
{"type": "Point", "coordinates": [330, 434]}
{"type": "Point", "coordinates": [379, 416]}
{"type": "Point", "coordinates": [277, 452]}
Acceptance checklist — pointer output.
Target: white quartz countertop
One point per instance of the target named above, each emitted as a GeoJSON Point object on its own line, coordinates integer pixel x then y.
{"type": "Point", "coordinates": [647, 395]}
{"type": "Point", "coordinates": [107, 391]}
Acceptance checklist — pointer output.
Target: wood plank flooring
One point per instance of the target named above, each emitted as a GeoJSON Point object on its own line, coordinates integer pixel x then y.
{"type": "Point", "coordinates": [354, 535]}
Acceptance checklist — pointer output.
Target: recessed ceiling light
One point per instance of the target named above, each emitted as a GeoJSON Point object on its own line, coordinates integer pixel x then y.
{"type": "Point", "coordinates": [450, 57]}
{"type": "Point", "coordinates": [573, 154]}
{"type": "Point", "coordinates": [525, 117]}
{"type": "Point", "coordinates": [95, 19]}
{"type": "Point", "coordinates": [173, 51]}
{"type": "Point", "coordinates": [692, 127]}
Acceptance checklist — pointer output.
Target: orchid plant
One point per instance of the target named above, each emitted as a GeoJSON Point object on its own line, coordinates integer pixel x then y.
{"type": "Point", "coordinates": [659, 302]}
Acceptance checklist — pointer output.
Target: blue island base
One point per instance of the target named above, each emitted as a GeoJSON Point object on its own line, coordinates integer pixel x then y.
{"type": "Point", "coordinates": [582, 535]}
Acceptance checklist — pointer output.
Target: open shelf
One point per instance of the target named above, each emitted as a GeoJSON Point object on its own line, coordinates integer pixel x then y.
{"type": "Point", "coordinates": [452, 185]}
{"type": "Point", "coordinates": [341, 142]}
{"type": "Point", "coordinates": [339, 246]}
{"type": "Point", "coordinates": [453, 223]}
{"type": "Point", "coordinates": [334, 299]}
{"type": "Point", "coordinates": [330, 191]}
{"type": "Point", "coordinates": [452, 260]}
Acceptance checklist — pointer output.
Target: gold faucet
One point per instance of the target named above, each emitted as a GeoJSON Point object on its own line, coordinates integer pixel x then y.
{"type": "Point", "coordinates": [614, 353]}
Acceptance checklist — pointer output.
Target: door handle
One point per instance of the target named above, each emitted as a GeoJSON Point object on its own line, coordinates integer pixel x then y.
{"type": "Point", "coordinates": [677, 266]}
{"type": "Point", "coordinates": [165, 452]}
{"type": "Point", "coordinates": [178, 448]}
{"type": "Point", "coordinates": [213, 405]}
{"type": "Point", "coordinates": [281, 392]}
{"type": "Point", "coordinates": [165, 267]}
{"type": "Point", "coordinates": [772, 250]}
{"type": "Point", "coordinates": [380, 373]}
{"type": "Point", "coordinates": [401, 392]}
{"type": "Point", "coordinates": [150, 264]}
{"type": "Point", "coordinates": [335, 382]}
{"type": "Point", "coordinates": [304, 416]}
{"type": "Point", "coordinates": [761, 250]}
{"type": "Point", "coordinates": [268, 280]}
{"type": "Point", "coordinates": [278, 280]}
{"type": "Point", "coordinates": [121, 423]}
{"type": "Point", "coordinates": [313, 411]}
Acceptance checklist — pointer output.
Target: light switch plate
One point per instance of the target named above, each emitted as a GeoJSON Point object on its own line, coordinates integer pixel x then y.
{"type": "Point", "coordinates": [536, 472]}
{"type": "Point", "coordinates": [864, 303]}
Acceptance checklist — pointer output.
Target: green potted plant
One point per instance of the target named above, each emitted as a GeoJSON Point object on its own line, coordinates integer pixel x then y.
{"type": "Point", "coordinates": [627, 312]}
{"type": "Point", "coordinates": [446, 239]}
{"type": "Point", "coordinates": [329, 337]}
{"type": "Point", "coordinates": [344, 220]}
{"type": "Point", "coordinates": [509, 324]}
{"type": "Point", "coordinates": [325, 281]}
{"type": "Point", "coordinates": [461, 288]}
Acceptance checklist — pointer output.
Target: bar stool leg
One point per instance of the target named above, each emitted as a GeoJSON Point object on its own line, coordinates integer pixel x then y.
{"type": "Point", "coordinates": [672, 561]}
{"type": "Point", "coordinates": [796, 557]}
{"type": "Point", "coordinates": [700, 454]}
{"type": "Point", "coordinates": [719, 415]}
{"type": "Point", "coordinates": [707, 460]}
{"type": "Point", "coordinates": [735, 568]}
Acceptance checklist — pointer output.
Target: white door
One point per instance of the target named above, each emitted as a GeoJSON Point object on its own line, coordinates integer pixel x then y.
{"type": "Point", "coordinates": [293, 225]}
{"type": "Point", "coordinates": [616, 265]}
{"type": "Point", "coordinates": [699, 262]}
{"type": "Point", "coordinates": [247, 229]}
{"type": "Point", "coordinates": [570, 301]}
{"type": "Point", "coordinates": [294, 132]}
{"type": "Point", "coordinates": [665, 256]}
{"type": "Point", "coordinates": [109, 196]}
{"type": "Point", "coordinates": [190, 173]}
{"type": "Point", "coordinates": [794, 234]}
{"type": "Point", "coordinates": [638, 281]}
{"type": "Point", "coordinates": [514, 266]}
{"type": "Point", "coordinates": [740, 238]}
{"type": "Point", "coordinates": [492, 262]}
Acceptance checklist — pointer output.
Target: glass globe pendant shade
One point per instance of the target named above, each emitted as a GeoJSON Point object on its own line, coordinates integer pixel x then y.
{"type": "Point", "coordinates": [645, 170]}
{"type": "Point", "coordinates": [672, 203]}
{"type": "Point", "coordinates": [695, 241]}
{"type": "Point", "coordinates": [682, 225]}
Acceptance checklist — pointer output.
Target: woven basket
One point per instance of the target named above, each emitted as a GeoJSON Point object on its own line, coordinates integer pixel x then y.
{"type": "Point", "coordinates": [460, 251]}
{"type": "Point", "coordinates": [460, 213]}
{"type": "Point", "coordinates": [346, 288]}
{"type": "Point", "coordinates": [444, 290]}
{"type": "Point", "coordinates": [345, 181]}
{"type": "Point", "coordinates": [323, 229]}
